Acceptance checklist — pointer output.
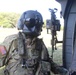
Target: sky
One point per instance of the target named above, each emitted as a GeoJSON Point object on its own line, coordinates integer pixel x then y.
{"type": "Point", "coordinates": [19, 6]}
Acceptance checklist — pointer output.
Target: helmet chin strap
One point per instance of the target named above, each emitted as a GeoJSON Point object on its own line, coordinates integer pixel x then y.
{"type": "Point", "coordinates": [31, 35]}
{"type": "Point", "coordinates": [26, 29]}
{"type": "Point", "coordinates": [30, 32]}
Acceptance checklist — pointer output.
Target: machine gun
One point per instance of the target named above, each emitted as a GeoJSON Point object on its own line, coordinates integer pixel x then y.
{"type": "Point", "coordinates": [54, 26]}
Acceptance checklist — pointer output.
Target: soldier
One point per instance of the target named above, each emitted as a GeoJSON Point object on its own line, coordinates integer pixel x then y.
{"type": "Point", "coordinates": [26, 54]}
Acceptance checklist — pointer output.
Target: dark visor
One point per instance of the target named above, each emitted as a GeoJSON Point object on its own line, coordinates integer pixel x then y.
{"type": "Point", "coordinates": [30, 22]}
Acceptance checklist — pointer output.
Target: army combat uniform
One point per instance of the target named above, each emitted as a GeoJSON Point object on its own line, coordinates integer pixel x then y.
{"type": "Point", "coordinates": [33, 60]}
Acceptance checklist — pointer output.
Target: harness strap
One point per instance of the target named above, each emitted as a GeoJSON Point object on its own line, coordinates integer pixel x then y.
{"type": "Point", "coordinates": [5, 62]}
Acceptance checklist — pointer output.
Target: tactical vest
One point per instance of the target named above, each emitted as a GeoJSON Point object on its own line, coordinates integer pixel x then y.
{"type": "Point", "coordinates": [27, 56]}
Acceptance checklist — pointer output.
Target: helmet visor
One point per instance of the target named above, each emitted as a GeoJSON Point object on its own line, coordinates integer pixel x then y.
{"type": "Point", "coordinates": [30, 22]}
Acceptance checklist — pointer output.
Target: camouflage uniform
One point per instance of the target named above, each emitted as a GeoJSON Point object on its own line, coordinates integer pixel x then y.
{"type": "Point", "coordinates": [36, 60]}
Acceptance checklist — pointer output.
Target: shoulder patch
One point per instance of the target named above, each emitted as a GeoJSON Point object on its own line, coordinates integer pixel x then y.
{"type": "Point", "coordinates": [2, 50]}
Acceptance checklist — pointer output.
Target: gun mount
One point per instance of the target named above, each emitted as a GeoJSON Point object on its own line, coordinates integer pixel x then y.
{"type": "Point", "coordinates": [54, 27]}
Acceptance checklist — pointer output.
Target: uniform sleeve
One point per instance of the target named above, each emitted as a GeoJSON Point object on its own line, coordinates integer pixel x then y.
{"type": "Point", "coordinates": [1, 61]}
{"type": "Point", "coordinates": [45, 56]}
{"type": "Point", "coordinates": [6, 43]}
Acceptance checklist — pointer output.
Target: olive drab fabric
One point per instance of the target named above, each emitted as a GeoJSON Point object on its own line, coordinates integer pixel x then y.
{"type": "Point", "coordinates": [35, 60]}
{"type": "Point", "coordinates": [35, 55]}
{"type": "Point", "coordinates": [7, 42]}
